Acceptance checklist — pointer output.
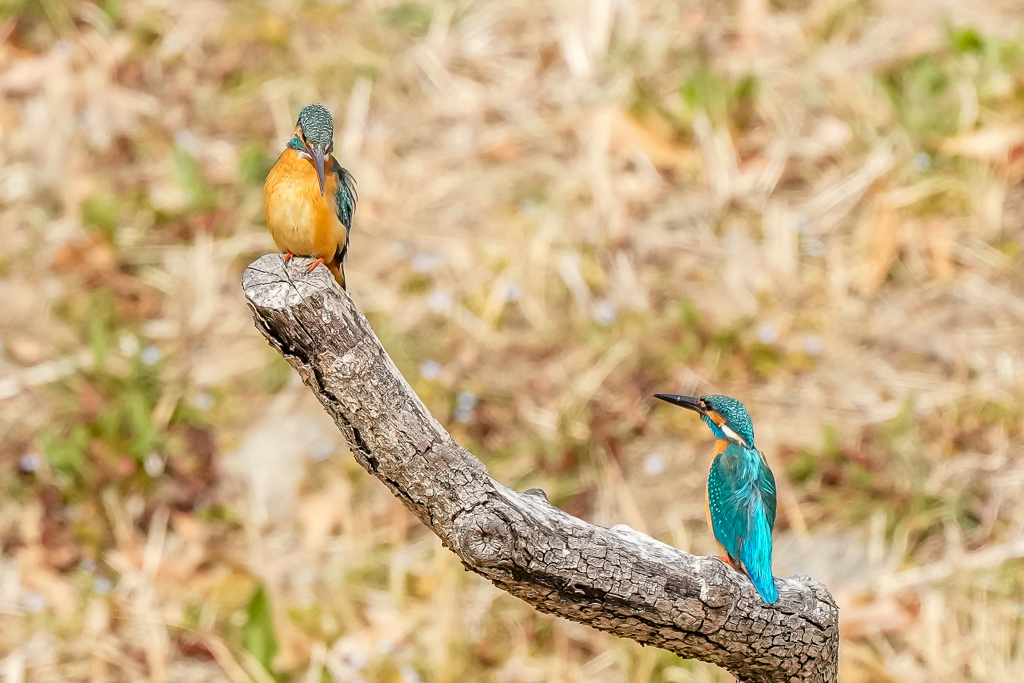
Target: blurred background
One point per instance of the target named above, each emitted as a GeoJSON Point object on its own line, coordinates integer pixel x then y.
{"type": "Point", "coordinates": [812, 205]}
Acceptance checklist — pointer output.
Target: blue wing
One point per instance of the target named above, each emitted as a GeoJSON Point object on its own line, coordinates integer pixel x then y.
{"type": "Point", "coordinates": [345, 197]}
{"type": "Point", "coordinates": [741, 503]}
{"type": "Point", "coordinates": [766, 482]}
{"type": "Point", "coordinates": [727, 521]}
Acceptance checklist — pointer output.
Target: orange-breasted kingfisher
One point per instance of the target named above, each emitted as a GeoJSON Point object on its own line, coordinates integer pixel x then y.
{"type": "Point", "coordinates": [309, 198]}
{"type": "Point", "coordinates": [741, 489]}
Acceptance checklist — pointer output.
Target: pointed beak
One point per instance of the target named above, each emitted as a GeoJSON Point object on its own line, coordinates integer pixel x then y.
{"type": "Point", "coordinates": [317, 152]}
{"type": "Point", "coordinates": [688, 402]}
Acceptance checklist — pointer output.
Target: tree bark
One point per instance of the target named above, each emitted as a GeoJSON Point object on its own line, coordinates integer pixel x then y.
{"type": "Point", "coordinates": [617, 580]}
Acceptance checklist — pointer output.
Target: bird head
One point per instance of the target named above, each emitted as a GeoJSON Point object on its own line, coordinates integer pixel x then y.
{"type": "Point", "coordinates": [727, 417]}
{"type": "Point", "coordinates": [315, 130]}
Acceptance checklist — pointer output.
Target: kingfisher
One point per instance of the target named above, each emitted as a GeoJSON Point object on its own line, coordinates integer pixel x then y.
{"type": "Point", "coordinates": [309, 198]}
{"type": "Point", "coordinates": [741, 489]}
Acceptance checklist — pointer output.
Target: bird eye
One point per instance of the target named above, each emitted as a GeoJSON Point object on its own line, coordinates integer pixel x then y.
{"type": "Point", "coordinates": [330, 148]}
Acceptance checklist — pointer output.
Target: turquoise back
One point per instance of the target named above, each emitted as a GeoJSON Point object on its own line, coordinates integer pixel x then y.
{"type": "Point", "coordinates": [742, 505]}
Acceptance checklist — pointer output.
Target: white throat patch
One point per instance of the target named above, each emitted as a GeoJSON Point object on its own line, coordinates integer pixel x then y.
{"type": "Point", "coordinates": [733, 435]}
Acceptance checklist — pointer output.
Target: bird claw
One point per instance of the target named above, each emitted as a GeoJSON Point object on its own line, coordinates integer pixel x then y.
{"type": "Point", "coordinates": [288, 255]}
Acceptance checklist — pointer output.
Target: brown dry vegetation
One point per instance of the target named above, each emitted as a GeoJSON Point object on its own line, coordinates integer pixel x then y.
{"type": "Point", "coordinates": [812, 205]}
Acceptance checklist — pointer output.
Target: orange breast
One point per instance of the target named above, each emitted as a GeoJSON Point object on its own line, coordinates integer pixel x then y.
{"type": "Point", "coordinates": [299, 218]}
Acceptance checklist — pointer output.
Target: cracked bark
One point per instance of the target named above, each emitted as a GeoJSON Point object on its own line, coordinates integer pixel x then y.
{"type": "Point", "coordinates": [616, 580]}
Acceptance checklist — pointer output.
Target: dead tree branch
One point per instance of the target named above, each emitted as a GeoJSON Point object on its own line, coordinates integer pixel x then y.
{"type": "Point", "coordinates": [616, 580]}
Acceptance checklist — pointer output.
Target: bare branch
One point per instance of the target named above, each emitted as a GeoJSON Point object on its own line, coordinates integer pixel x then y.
{"type": "Point", "coordinates": [616, 580]}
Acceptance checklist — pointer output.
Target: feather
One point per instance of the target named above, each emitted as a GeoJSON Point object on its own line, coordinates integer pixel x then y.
{"type": "Point", "coordinates": [345, 195]}
{"type": "Point", "coordinates": [301, 219]}
{"type": "Point", "coordinates": [741, 505]}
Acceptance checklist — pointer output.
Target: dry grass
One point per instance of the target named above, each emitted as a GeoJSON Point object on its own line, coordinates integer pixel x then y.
{"type": "Point", "coordinates": [814, 206]}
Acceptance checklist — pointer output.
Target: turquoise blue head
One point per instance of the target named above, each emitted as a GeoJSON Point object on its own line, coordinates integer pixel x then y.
{"type": "Point", "coordinates": [314, 136]}
{"type": "Point", "coordinates": [727, 417]}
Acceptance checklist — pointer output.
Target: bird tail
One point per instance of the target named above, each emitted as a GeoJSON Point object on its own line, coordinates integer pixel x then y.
{"type": "Point", "coordinates": [337, 268]}
{"type": "Point", "coordinates": [756, 556]}
{"type": "Point", "coordinates": [337, 265]}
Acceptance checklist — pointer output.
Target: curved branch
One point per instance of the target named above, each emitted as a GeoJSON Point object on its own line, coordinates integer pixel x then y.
{"type": "Point", "coordinates": [616, 580]}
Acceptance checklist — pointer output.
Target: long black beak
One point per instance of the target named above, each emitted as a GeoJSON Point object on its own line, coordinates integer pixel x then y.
{"type": "Point", "coordinates": [688, 402]}
{"type": "Point", "coordinates": [317, 152]}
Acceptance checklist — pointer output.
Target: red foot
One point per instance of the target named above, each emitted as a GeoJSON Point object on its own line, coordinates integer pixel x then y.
{"type": "Point", "coordinates": [288, 255]}
{"type": "Point", "coordinates": [314, 264]}
{"type": "Point", "coordinates": [726, 560]}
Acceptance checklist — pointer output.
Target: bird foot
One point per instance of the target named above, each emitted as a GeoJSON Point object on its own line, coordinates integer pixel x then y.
{"type": "Point", "coordinates": [726, 560]}
{"type": "Point", "coordinates": [314, 264]}
{"type": "Point", "coordinates": [288, 255]}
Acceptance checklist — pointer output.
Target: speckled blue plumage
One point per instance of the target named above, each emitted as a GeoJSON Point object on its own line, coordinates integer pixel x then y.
{"type": "Point", "coordinates": [317, 124]}
{"type": "Point", "coordinates": [741, 494]}
{"type": "Point", "coordinates": [741, 488]}
{"type": "Point", "coordinates": [741, 507]}
{"type": "Point", "coordinates": [736, 417]}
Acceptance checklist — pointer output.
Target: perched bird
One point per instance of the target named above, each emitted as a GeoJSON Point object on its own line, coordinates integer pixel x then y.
{"type": "Point", "coordinates": [741, 489]}
{"type": "Point", "coordinates": [309, 198]}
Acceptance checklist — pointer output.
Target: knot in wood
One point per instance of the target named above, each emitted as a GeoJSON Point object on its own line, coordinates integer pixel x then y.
{"type": "Point", "coordinates": [485, 539]}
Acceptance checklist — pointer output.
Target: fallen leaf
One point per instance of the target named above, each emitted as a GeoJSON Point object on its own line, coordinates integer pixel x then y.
{"type": "Point", "coordinates": [877, 242]}
{"type": "Point", "coordinates": [992, 143]}
{"type": "Point", "coordinates": [502, 151]}
{"type": "Point", "coordinates": [92, 258]}
{"type": "Point", "coordinates": [656, 139]}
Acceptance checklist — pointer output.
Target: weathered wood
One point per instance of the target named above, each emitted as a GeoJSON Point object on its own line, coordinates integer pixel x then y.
{"type": "Point", "coordinates": [616, 580]}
